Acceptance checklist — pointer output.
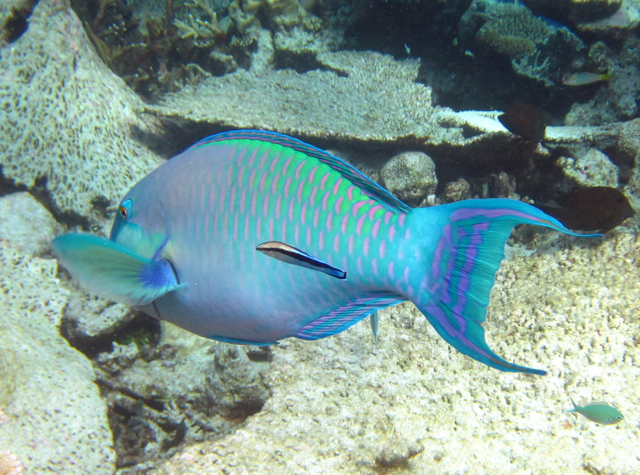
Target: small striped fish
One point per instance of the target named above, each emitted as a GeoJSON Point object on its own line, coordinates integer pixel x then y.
{"type": "Point", "coordinates": [250, 237]}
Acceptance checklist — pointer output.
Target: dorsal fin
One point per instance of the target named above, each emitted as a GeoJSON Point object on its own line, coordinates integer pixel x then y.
{"type": "Point", "coordinates": [368, 186]}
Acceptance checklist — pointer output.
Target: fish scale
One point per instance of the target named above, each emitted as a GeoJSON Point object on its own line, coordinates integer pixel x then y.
{"type": "Point", "coordinates": [251, 237]}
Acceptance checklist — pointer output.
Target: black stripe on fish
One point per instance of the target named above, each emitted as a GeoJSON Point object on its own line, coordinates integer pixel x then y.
{"type": "Point", "coordinates": [291, 255]}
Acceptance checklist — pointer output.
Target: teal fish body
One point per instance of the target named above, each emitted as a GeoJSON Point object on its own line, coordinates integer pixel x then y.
{"type": "Point", "coordinates": [598, 412]}
{"type": "Point", "coordinates": [251, 237]}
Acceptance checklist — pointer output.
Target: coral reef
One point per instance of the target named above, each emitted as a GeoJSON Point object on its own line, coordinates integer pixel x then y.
{"type": "Point", "coordinates": [57, 418]}
{"type": "Point", "coordinates": [385, 104]}
{"type": "Point", "coordinates": [67, 123]}
{"type": "Point", "coordinates": [535, 48]}
{"type": "Point", "coordinates": [590, 167]}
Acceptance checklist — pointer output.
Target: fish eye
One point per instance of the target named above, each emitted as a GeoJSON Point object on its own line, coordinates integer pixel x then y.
{"type": "Point", "coordinates": [124, 210]}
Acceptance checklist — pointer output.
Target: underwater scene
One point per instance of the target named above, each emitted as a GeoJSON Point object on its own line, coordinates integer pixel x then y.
{"type": "Point", "coordinates": [319, 237]}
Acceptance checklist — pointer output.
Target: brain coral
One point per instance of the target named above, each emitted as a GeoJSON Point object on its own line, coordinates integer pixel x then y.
{"type": "Point", "coordinates": [65, 117]}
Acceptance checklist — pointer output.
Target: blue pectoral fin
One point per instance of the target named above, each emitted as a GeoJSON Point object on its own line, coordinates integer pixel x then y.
{"type": "Point", "coordinates": [114, 272]}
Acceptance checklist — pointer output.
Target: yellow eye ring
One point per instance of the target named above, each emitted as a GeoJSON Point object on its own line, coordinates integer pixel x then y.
{"type": "Point", "coordinates": [124, 210]}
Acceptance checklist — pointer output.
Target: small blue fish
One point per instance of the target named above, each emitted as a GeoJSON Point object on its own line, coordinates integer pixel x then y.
{"type": "Point", "coordinates": [250, 237]}
{"type": "Point", "coordinates": [599, 412]}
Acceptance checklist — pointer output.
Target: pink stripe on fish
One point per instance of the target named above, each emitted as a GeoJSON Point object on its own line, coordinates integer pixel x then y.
{"type": "Point", "coordinates": [344, 263]}
{"type": "Point", "coordinates": [392, 232]}
{"type": "Point", "coordinates": [243, 199]}
{"type": "Point", "coordinates": [374, 265]}
{"type": "Point", "coordinates": [406, 275]}
{"type": "Point", "coordinates": [360, 224]}
{"type": "Point", "coordinates": [240, 178]}
{"type": "Point", "coordinates": [291, 208]}
{"type": "Point", "coordinates": [350, 193]}
{"type": "Point", "coordinates": [246, 228]}
{"type": "Point", "coordinates": [359, 265]}
{"type": "Point", "coordinates": [376, 228]}
{"type": "Point", "coordinates": [252, 178]}
{"type": "Point", "coordinates": [252, 160]}
{"type": "Point", "coordinates": [329, 222]}
{"type": "Point", "coordinates": [284, 229]}
{"type": "Point", "coordinates": [312, 198]}
{"type": "Point", "coordinates": [259, 227]}
{"type": "Point", "coordinates": [286, 165]}
{"type": "Point", "coordinates": [265, 207]}
{"type": "Point", "coordinates": [287, 187]}
{"type": "Point", "coordinates": [271, 228]}
{"type": "Point", "coordinates": [274, 161]}
{"type": "Point", "coordinates": [338, 204]}
{"type": "Point", "coordinates": [351, 245]}
{"type": "Point", "coordinates": [316, 215]}
{"type": "Point", "coordinates": [336, 187]}
{"type": "Point", "coordinates": [357, 206]}
{"type": "Point", "coordinates": [407, 234]}
{"type": "Point", "coordinates": [387, 217]}
{"type": "Point", "coordinates": [312, 174]}
{"type": "Point", "coordinates": [382, 251]}
{"type": "Point", "coordinates": [254, 201]}
{"type": "Point", "coordinates": [365, 246]}
{"type": "Point", "coordinates": [278, 206]}
{"type": "Point", "coordinates": [303, 213]}
{"type": "Point", "coordinates": [263, 182]}
{"type": "Point", "coordinates": [401, 219]}
{"type": "Point", "coordinates": [321, 239]}
{"type": "Point", "coordinates": [296, 233]}
{"type": "Point", "coordinates": [336, 243]}
{"type": "Point", "coordinates": [345, 222]}
{"type": "Point", "coordinates": [323, 182]}
{"type": "Point", "coordinates": [308, 236]}
{"type": "Point", "coordinates": [299, 192]}
{"type": "Point", "coordinates": [390, 271]}
{"type": "Point", "coordinates": [324, 201]}
{"type": "Point", "coordinates": [374, 210]}
{"type": "Point", "coordinates": [298, 168]}
{"type": "Point", "coordinates": [274, 183]}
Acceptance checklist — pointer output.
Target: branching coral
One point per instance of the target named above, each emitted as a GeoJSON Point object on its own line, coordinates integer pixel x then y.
{"type": "Point", "coordinates": [197, 28]}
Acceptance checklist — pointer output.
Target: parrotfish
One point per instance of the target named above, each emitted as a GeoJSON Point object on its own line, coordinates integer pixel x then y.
{"type": "Point", "coordinates": [250, 237]}
{"type": "Point", "coordinates": [599, 412]}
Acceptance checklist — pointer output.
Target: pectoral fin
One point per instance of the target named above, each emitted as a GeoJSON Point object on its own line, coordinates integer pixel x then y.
{"type": "Point", "coordinates": [291, 255]}
{"type": "Point", "coordinates": [110, 270]}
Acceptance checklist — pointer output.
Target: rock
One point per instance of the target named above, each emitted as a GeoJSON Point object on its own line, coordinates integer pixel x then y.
{"type": "Point", "coordinates": [590, 167]}
{"type": "Point", "coordinates": [183, 390]}
{"type": "Point", "coordinates": [57, 420]}
{"type": "Point", "coordinates": [52, 78]}
{"type": "Point", "coordinates": [456, 191]}
{"type": "Point", "coordinates": [410, 176]}
{"type": "Point", "coordinates": [573, 11]}
{"type": "Point", "coordinates": [26, 224]}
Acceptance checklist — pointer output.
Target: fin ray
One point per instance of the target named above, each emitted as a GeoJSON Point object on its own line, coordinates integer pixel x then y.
{"type": "Point", "coordinates": [347, 315]}
{"type": "Point", "coordinates": [112, 271]}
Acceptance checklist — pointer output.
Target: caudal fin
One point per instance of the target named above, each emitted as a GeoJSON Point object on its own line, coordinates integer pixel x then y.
{"type": "Point", "coordinates": [467, 257]}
